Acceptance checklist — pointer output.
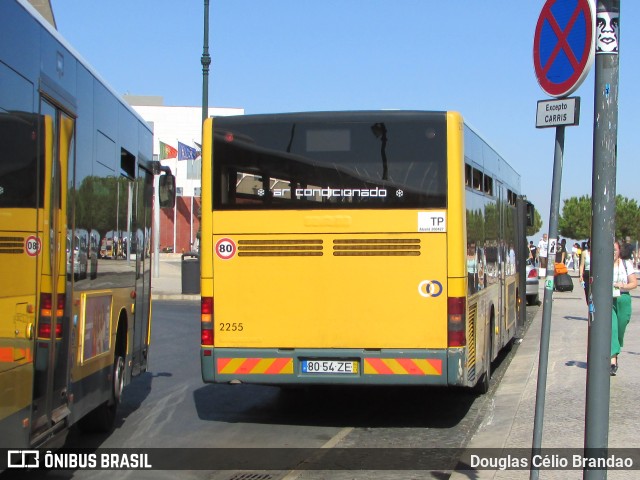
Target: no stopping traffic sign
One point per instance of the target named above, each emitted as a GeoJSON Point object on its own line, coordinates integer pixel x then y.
{"type": "Point", "coordinates": [563, 45]}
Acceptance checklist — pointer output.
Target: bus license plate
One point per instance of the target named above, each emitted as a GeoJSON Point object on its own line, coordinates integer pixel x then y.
{"type": "Point", "coordinates": [330, 366]}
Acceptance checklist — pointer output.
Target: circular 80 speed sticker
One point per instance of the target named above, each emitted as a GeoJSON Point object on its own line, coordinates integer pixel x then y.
{"type": "Point", "coordinates": [225, 248]}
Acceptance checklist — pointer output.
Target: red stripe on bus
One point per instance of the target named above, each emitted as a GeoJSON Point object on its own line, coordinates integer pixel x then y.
{"type": "Point", "coordinates": [222, 363]}
{"type": "Point", "coordinates": [410, 366]}
{"type": "Point", "coordinates": [6, 355]}
{"type": "Point", "coordinates": [436, 363]}
{"type": "Point", "coordinates": [248, 365]}
{"type": "Point", "coordinates": [379, 366]}
{"type": "Point", "coordinates": [277, 366]}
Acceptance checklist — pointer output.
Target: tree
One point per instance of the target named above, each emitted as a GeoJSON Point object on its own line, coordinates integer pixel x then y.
{"type": "Point", "coordinates": [627, 218]}
{"type": "Point", "coordinates": [575, 220]}
{"type": "Point", "coordinates": [537, 223]}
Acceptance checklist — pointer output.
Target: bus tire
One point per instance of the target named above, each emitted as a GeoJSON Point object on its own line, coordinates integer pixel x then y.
{"type": "Point", "coordinates": [102, 418]}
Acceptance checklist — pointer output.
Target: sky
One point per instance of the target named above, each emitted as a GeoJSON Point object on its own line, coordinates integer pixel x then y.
{"type": "Point", "coordinates": [472, 56]}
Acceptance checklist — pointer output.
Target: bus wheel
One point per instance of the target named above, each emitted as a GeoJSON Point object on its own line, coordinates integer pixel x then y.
{"type": "Point", "coordinates": [102, 418]}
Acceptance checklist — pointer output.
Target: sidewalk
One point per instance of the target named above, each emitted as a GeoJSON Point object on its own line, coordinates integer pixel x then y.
{"type": "Point", "coordinates": [168, 285]}
{"type": "Point", "coordinates": [509, 422]}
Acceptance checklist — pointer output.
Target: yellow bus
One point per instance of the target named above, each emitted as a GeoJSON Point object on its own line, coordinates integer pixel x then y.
{"type": "Point", "coordinates": [76, 163]}
{"type": "Point", "coordinates": [350, 248]}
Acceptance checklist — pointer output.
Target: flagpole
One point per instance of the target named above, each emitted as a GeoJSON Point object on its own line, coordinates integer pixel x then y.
{"type": "Point", "coordinates": [191, 208]}
{"type": "Point", "coordinates": [175, 216]}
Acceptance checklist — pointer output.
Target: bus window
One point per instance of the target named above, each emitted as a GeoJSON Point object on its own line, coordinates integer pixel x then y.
{"type": "Point", "coordinates": [488, 185]}
{"type": "Point", "coordinates": [477, 179]}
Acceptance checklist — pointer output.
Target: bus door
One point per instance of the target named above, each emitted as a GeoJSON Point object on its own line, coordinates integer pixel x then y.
{"type": "Point", "coordinates": [502, 261]}
{"type": "Point", "coordinates": [140, 240]}
{"type": "Point", "coordinates": [50, 405]}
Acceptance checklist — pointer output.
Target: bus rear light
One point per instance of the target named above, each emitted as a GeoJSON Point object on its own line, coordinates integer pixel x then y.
{"type": "Point", "coordinates": [206, 309]}
{"type": "Point", "coordinates": [456, 328]}
{"type": "Point", "coordinates": [206, 321]}
{"type": "Point", "coordinates": [46, 305]}
{"type": "Point", "coordinates": [206, 335]}
{"type": "Point", "coordinates": [44, 330]}
{"type": "Point", "coordinates": [60, 306]}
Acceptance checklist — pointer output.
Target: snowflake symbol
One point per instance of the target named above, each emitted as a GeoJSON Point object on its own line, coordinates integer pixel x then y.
{"type": "Point", "coordinates": [261, 192]}
{"type": "Point", "coordinates": [399, 193]}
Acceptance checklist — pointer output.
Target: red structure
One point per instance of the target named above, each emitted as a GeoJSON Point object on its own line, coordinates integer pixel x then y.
{"type": "Point", "coordinates": [187, 223]}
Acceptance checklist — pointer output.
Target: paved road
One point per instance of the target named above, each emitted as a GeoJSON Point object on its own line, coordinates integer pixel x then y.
{"type": "Point", "coordinates": [170, 407]}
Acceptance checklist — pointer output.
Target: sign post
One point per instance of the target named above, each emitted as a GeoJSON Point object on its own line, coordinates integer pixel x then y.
{"type": "Point", "coordinates": [605, 145]}
{"type": "Point", "coordinates": [563, 50]}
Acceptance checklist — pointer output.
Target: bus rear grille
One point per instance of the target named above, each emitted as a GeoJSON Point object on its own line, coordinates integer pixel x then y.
{"type": "Point", "coordinates": [400, 247]}
{"type": "Point", "coordinates": [279, 248]}
{"type": "Point", "coordinates": [11, 245]}
{"type": "Point", "coordinates": [471, 342]}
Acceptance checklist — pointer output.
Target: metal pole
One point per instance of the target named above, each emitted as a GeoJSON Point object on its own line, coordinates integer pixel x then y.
{"type": "Point", "coordinates": [605, 141]}
{"type": "Point", "coordinates": [522, 254]}
{"type": "Point", "coordinates": [156, 226]}
{"type": "Point", "coordinates": [206, 61]}
{"type": "Point", "coordinates": [548, 297]}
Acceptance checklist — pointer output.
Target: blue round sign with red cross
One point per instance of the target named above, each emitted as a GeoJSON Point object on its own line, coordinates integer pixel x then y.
{"type": "Point", "coordinates": [563, 45]}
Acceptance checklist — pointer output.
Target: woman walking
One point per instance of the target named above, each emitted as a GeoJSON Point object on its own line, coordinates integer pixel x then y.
{"type": "Point", "coordinates": [585, 267]}
{"type": "Point", "coordinates": [624, 280]}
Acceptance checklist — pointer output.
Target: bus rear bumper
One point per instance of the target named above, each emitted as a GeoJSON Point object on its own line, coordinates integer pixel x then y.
{"type": "Point", "coordinates": [336, 366]}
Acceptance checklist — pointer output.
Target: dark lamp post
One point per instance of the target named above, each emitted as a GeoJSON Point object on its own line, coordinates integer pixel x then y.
{"type": "Point", "coordinates": [206, 61]}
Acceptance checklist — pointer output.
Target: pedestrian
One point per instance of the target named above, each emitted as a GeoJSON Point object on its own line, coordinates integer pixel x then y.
{"type": "Point", "coordinates": [533, 253]}
{"type": "Point", "coordinates": [585, 267]}
{"type": "Point", "coordinates": [561, 251]}
{"type": "Point", "coordinates": [624, 280]}
{"type": "Point", "coordinates": [576, 251]}
{"type": "Point", "coordinates": [543, 246]}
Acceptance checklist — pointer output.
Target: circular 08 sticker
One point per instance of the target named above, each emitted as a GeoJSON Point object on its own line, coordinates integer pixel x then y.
{"type": "Point", "coordinates": [225, 248]}
{"type": "Point", "coordinates": [32, 245]}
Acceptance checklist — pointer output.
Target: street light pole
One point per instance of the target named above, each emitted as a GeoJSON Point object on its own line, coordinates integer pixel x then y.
{"type": "Point", "coordinates": [206, 61]}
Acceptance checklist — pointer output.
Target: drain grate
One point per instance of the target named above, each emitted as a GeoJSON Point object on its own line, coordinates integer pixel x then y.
{"type": "Point", "coordinates": [251, 476]}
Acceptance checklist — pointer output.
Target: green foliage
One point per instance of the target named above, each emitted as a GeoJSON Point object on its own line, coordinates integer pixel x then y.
{"type": "Point", "coordinates": [102, 203]}
{"type": "Point", "coordinates": [576, 216]}
{"type": "Point", "coordinates": [575, 219]}
{"type": "Point", "coordinates": [537, 223]}
{"type": "Point", "coordinates": [627, 218]}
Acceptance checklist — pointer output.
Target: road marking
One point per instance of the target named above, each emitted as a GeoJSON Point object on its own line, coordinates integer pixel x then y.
{"type": "Point", "coordinates": [295, 474]}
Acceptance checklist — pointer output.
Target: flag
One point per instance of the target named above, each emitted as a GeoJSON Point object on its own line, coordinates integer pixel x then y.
{"type": "Point", "coordinates": [198, 148]}
{"type": "Point", "coordinates": [186, 152]}
{"type": "Point", "coordinates": [167, 151]}
{"type": "Point", "coordinates": [194, 169]}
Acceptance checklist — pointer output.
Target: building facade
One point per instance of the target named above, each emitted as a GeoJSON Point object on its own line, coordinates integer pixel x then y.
{"type": "Point", "coordinates": [179, 129]}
